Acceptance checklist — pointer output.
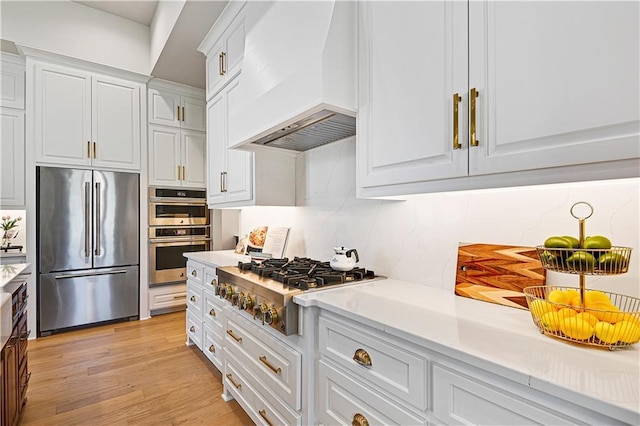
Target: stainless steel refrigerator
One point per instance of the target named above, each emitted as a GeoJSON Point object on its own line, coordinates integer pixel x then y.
{"type": "Point", "coordinates": [88, 247]}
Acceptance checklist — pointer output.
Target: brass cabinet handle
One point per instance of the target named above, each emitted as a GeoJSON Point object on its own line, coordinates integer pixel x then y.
{"type": "Point", "coordinates": [184, 173]}
{"type": "Point", "coordinates": [221, 178]}
{"type": "Point", "coordinates": [193, 298]}
{"type": "Point", "coordinates": [362, 357]}
{"type": "Point", "coordinates": [95, 150]}
{"type": "Point", "coordinates": [236, 338]}
{"type": "Point", "coordinates": [214, 282]}
{"type": "Point", "coordinates": [263, 359]}
{"type": "Point", "coordinates": [456, 101]}
{"type": "Point", "coordinates": [359, 420]}
{"type": "Point", "coordinates": [179, 178]}
{"type": "Point", "coordinates": [233, 382]}
{"type": "Point", "coordinates": [225, 181]}
{"type": "Point", "coordinates": [183, 114]}
{"type": "Point", "coordinates": [472, 119]}
{"type": "Point", "coordinates": [212, 312]}
{"type": "Point", "coordinates": [178, 108]}
{"type": "Point", "coordinates": [88, 149]}
{"type": "Point", "coordinates": [183, 296]}
{"type": "Point", "coordinates": [212, 349]}
{"type": "Point", "coordinates": [224, 67]}
{"type": "Point", "coordinates": [220, 64]}
{"type": "Point", "coordinates": [192, 329]}
{"type": "Point", "coordinates": [263, 414]}
{"type": "Point", "coordinates": [194, 273]}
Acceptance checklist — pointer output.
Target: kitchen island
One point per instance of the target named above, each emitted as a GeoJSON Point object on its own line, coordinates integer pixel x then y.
{"type": "Point", "coordinates": [480, 361]}
{"type": "Point", "coordinates": [9, 284]}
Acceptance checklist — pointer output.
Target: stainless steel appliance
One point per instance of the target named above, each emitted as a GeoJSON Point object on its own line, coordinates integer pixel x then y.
{"type": "Point", "coordinates": [264, 290]}
{"type": "Point", "coordinates": [88, 247]}
{"type": "Point", "coordinates": [177, 207]}
{"type": "Point", "coordinates": [166, 248]}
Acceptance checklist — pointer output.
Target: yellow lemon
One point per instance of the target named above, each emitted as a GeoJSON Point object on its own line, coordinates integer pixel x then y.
{"type": "Point", "coordinates": [595, 296]}
{"type": "Point", "coordinates": [613, 315]}
{"type": "Point", "coordinates": [589, 317]}
{"type": "Point", "coordinates": [600, 309]}
{"type": "Point", "coordinates": [558, 296]}
{"type": "Point", "coordinates": [539, 307]}
{"type": "Point", "coordinates": [606, 332]}
{"type": "Point", "coordinates": [631, 317]}
{"type": "Point", "coordinates": [566, 313]}
{"type": "Point", "coordinates": [551, 321]}
{"type": "Point", "coordinates": [576, 328]}
{"type": "Point", "coordinates": [629, 332]}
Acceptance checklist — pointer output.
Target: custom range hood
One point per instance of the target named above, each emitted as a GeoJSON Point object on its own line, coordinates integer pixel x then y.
{"type": "Point", "coordinates": [297, 89]}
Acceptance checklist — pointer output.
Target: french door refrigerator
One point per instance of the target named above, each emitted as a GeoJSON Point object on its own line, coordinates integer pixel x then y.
{"type": "Point", "coordinates": [88, 247]}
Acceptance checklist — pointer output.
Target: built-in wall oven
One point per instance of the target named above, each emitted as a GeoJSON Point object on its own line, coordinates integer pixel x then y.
{"type": "Point", "coordinates": [178, 223]}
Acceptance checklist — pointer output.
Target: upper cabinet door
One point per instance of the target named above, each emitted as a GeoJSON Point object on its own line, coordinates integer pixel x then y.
{"type": "Point", "coordinates": [216, 149]}
{"type": "Point", "coordinates": [12, 157]}
{"type": "Point", "coordinates": [193, 114]}
{"type": "Point", "coordinates": [193, 159]}
{"type": "Point", "coordinates": [164, 156]}
{"type": "Point", "coordinates": [164, 107]}
{"type": "Point", "coordinates": [116, 123]}
{"type": "Point", "coordinates": [558, 83]}
{"type": "Point", "coordinates": [62, 115]}
{"type": "Point", "coordinates": [12, 87]}
{"type": "Point", "coordinates": [412, 60]}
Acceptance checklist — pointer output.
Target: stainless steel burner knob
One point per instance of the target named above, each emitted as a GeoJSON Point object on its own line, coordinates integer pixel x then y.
{"type": "Point", "coordinates": [271, 316]}
{"type": "Point", "coordinates": [235, 300]}
{"type": "Point", "coordinates": [218, 288]}
{"type": "Point", "coordinates": [226, 291]}
{"type": "Point", "coordinates": [246, 303]}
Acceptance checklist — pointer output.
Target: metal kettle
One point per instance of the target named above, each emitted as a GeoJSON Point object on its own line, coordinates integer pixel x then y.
{"type": "Point", "coordinates": [344, 259]}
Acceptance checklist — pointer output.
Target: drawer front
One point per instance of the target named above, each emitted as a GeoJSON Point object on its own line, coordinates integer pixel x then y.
{"type": "Point", "coordinates": [394, 369]}
{"type": "Point", "coordinates": [195, 271]}
{"type": "Point", "coordinates": [264, 409]}
{"type": "Point", "coordinates": [342, 399]}
{"type": "Point", "coordinates": [210, 280]}
{"type": "Point", "coordinates": [212, 346]}
{"type": "Point", "coordinates": [460, 399]}
{"type": "Point", "coordinates": [167, 296]}
{"type": "Point", "coordinates": [194, 329]}
{"type": "Point", "coordinates": [195, 298]}
{"type": "Point", "coordinates": [213, 313]}
{"type": "Point", "coordinates": [278, 366]}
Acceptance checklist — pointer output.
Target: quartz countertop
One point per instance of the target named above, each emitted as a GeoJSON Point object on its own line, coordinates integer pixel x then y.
{"type": "Point", "coordinates": [218, 258]}
{"type": "Point", "coordinates": [8, 273]}
{"type": "Point", "coordinates": [496, 338]}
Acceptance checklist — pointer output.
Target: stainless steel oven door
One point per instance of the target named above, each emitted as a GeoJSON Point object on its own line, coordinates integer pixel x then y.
{"type": "Point", "coordinates": [166, 260]}
{"type": "Point", "coordinates": [167, 213]}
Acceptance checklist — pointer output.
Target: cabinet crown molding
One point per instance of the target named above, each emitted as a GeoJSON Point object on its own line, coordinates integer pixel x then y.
{"type": "Point", "coordinates": [10, 58]}
{"type": "Point", "coordinates": [224, 20]}
{"type": "Point", "coordinates": [182, 89]}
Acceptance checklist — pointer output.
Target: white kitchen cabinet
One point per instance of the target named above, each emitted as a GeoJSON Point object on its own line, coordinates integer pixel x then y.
{"type": "Point", "coordinates": [176, 157]}
{"type": "Point", "coordinates": [12, 81]}
{"type": "Point", "coordinates": [224, 48]}
{"type": "Point", "coordinates": [551, 94]}
{"type": "Point", "coordinates": [86, 119]}
{"type": "Point", "coordinates": [239, 178]}
{"type": "Point", "coordinates": [167, 298]}
{"type": "Point", "coordinates": [177, 107]}
{"type": "Point", "coordinates": [12, 165]}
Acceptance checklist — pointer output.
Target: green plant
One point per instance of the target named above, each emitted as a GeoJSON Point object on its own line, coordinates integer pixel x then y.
{"type": "Point", "coordinates": [8, 223]}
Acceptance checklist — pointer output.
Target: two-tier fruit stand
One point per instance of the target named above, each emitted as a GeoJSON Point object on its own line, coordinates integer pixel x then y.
{"type": "Point", "coordinates": [612, 261]}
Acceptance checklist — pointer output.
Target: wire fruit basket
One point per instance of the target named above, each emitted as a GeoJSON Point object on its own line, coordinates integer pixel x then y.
{"type": "Point", "coordinates": [575, 314]}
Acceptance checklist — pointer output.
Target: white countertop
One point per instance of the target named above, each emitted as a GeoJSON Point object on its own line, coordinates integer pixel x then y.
{"type": "Point", "coordinates": [497, 338]}
{"type": "Point", "coordinates": [10, 271]}
{"type": "Point", "coordinates": [218, 258]}
{"type": "Point", "coordinates": [7, 274]}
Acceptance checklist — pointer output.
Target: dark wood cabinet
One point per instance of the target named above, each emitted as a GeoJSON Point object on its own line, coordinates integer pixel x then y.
{"type": "Point", "coordinates": [15, 374]}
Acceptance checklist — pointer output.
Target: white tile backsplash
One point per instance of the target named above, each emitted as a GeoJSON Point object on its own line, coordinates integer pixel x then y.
{"type": "Point", "coordinates": [416, 239]}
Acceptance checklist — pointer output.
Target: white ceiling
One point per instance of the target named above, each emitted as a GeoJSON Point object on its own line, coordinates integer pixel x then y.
{"type": "Point", "coordinates": [179, 60]}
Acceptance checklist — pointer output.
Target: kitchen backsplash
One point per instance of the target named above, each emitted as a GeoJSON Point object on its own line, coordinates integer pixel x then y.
{"type": "Point", "coordinates": [416, 240]}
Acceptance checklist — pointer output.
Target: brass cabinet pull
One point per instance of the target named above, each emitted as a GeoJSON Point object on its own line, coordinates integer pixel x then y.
{"type": "Point", "coordinates": [220, 72]}
{"type": "Point", "coordinates": [212, 349]}
{"type": "Point", "coordinates": [193, 298]}
{"type": "Point", "coordinates": [221, 189]}
{"type": "Point", "coordinates": [362, 357]}
{"type": "Point", "coordinates": [179, 178]}
{"type": "Point", "coordinates": [183, 296]}
{"type": "Point", "coordinates": [178, 108]}
{"type": "Point", "coordinates": [183, 114]}
{"type": "Point", "coordinates": [212, 312]}
{"type": "Point", "coordinates": [359, 420]}
{"type": "Point", "coordinates": [263, 359]}
{"type": "Point", "coordinates": [194, 273]}
{"type": "Point", "coordinates": [224, 67]}
{"type": "Point", "coordinates": [184, 173]}
{"type": "Point", "coordinates": [95, 150]}
{"type": "Point", "coordinates": [192, 329]}
{"type": "Point", "coordinates": [236, 338]}
{"type": "Point", "coordinates": [456, 101]}
{"type": "Point", "coordinates": [472, 119]}
{"type": "Point", "coordinates": [233, 382]}
{"type": "Point", "coordinates": [88, 149]}
{"type": "Point", "coordinates": [263, 414]}
{"type": "Point", "coordinates": [214, 282]}
{"type": "Point", "coordinates": [225, 181]}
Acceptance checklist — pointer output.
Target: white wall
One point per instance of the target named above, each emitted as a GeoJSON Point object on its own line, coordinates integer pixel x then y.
{"type": "Point", "coordinates": [164, 19]}
{"type": "Point", "coordinates": [416, 240]}
{"type": "Point", "coordinates": [78, 31]}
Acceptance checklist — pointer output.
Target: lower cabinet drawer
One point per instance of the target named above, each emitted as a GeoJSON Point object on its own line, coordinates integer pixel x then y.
{"type": "Point", "coordinates": [195, 299]}
{"type": "Point", "coordinates": [461, 399]}
{"type": "Point", "coordinates": [168, 296]}
{"type": "Point", "coordinates": [273, 362]}
{"type": "Point", "coordinates": [212, 346]}
{"type": "Point", "coordinates": [261, 406]}
{"type": "Point", "coordinates": [194, 329]}
{"type": "Point", "coordinates": [212, 313]}
{"type": "Point", "coordinates": [343, 400]}
{"type": "Point", "coordinates": [377, 359]}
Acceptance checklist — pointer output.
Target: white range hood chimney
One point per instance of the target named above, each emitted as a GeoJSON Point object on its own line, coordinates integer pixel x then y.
{"type": "Point", "coordinates": [297, 89]}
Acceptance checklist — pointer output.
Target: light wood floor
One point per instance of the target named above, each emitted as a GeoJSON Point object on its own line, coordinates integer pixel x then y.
{"type": "Point", "coordinates": [131, 373]}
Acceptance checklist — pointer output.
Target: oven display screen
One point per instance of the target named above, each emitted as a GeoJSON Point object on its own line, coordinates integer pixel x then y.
{"type": "Point", "coordinates": [180, 211]}
{"type": "Point", "coordinates": [171, 257]}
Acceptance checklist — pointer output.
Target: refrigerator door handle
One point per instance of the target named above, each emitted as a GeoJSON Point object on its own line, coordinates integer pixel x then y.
{"type": "Point", "coordinates": [87, 219]}
{"type": "Point", "coordinates": [98, 219]}
{"type": "Point", "coordinates": [90, 274]}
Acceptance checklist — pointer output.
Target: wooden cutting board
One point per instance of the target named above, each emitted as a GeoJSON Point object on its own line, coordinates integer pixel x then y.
{"type": "Point", "coordinates": [497, 273]}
